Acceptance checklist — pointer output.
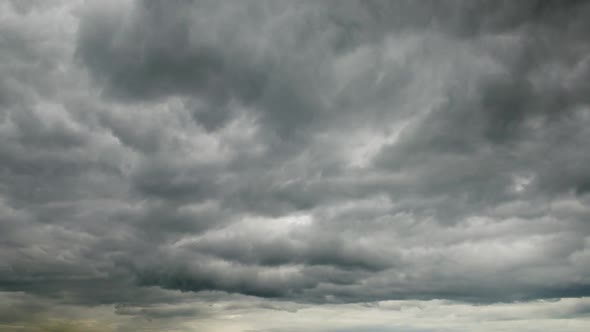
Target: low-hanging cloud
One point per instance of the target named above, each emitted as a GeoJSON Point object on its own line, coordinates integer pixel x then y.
{"type": "Point", "coordinates": [303, 151]}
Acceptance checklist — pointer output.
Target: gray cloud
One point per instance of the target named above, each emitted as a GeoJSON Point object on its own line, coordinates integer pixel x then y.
{"type": "Point", "coordinates": [154, 152]}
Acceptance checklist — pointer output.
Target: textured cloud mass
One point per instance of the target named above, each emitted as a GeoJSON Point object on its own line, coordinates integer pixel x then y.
{"type": "Point", "coordinates": [197, 165]}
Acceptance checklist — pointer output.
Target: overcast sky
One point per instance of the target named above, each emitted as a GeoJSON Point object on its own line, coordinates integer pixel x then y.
{"type": "Point", "coordinates": [281, 166]}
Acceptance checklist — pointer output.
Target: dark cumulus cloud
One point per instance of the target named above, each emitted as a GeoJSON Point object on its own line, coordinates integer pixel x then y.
{"type": "Point", "coordinates": [308, 151]}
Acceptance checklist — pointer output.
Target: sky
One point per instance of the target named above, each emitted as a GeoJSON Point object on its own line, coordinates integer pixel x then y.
{"type": "Point", "coordinates": [280, 166]}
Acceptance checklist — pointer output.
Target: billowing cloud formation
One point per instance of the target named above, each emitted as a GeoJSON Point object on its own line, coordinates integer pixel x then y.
{"type": "Point", "coordinates": [309, 152]}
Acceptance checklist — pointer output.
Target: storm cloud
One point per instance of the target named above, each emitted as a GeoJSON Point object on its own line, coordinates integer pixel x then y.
{"type": "Point", "coordinates": [168, 161]}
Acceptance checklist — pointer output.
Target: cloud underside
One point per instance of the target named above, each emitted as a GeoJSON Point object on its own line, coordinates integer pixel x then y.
{"type": "Point", "coordinates": [303, 151]}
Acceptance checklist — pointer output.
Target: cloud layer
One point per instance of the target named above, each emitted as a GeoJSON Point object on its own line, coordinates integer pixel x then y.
{"type": "Point", "coordinates": [293, 153]}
